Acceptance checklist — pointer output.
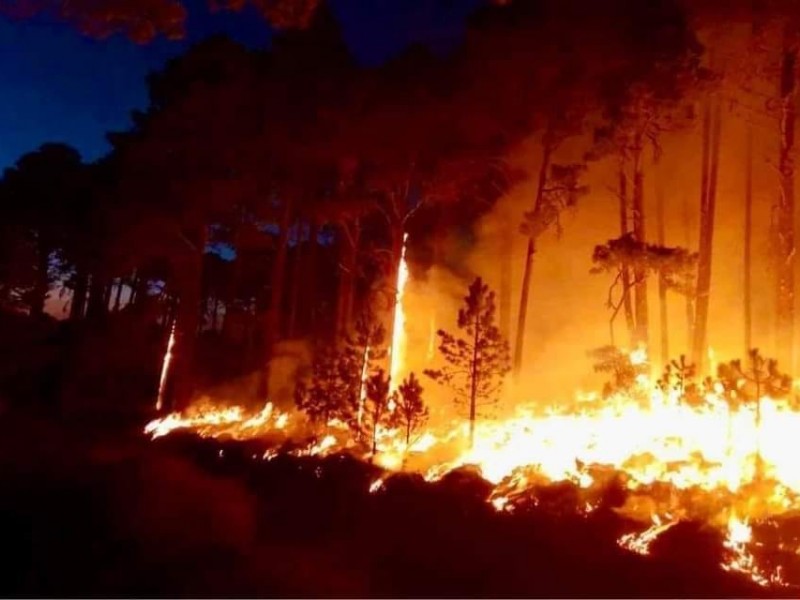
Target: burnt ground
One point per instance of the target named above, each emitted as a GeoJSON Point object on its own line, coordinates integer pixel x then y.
{"type": "Point", "coordinates": [97, 511]}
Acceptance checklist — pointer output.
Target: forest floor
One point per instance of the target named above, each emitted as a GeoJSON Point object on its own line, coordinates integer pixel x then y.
{"type": "Point", "coordinates": [90, 510]}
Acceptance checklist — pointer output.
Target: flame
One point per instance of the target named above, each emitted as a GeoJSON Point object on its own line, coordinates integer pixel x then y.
{"type": "Point", "coordinates": [741, 560]}
{"type": "Point", "coordinates": [640, 542]}
{"type": "Point", "coordinates": [647, 435]}
{"type": "Point", "coordinates": [398, 346]}
{"type": "Point", "coordinates": [162, 381]}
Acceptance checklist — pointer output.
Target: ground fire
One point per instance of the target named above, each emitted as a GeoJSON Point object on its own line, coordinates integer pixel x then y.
{"type": "Point", "coordinates": [400, 299]}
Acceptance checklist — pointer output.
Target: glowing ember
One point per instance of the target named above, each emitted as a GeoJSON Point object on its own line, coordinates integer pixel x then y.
{"type": "Point", "coordinates": [640, 542]}
{"type": "Point", "coordinates": [162, 381]}
{"type": "Point", "coordinates": [397, 349]}
{"type": "Point", "coordinates": [741, 560]}
{"type": "Point", "coordinates": [212, 422]}
{"type": "Point", "coordinates": [647, 435]}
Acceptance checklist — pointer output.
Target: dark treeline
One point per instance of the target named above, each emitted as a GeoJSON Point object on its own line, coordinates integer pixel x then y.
{"type": "Point", "coordinates": [265, 195]}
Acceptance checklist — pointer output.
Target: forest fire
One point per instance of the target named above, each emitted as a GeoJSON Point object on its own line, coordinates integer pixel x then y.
{"type": "Point", "coordinates": [729, 461]}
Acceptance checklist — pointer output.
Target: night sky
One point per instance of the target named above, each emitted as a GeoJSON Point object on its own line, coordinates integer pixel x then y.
{"type": "Point", "coordinates": [57, 85]}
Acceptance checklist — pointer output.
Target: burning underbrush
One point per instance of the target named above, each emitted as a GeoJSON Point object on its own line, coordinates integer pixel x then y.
{"type": "Point", "coordinates": [697, 487]}
{"type": "Point", "coordinates": [450, 536]}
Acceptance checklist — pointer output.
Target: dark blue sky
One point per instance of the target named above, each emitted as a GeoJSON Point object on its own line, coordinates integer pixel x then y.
{"type": "Point", "coordinates": [57, 85]}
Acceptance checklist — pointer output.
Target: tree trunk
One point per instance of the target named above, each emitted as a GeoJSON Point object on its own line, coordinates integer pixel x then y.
{"type": "Point", "coordinates": [506, 254]}
{"type": "Point", "coordinates": [626, 274]}
{"type": "Point", "coordinates": [272, 331]}
{"type": "Point", "coordinates": [639, 274]}
{"type": "Point", "coordinates": [528, 267]}
{"type": "Point", "coordinates": [748, 245]}
{"type": "Point", "coordinates": [136, 291]}
{"type": "Point", "coordinates": [398, 243]}
{"type": "Point", "coordinates": [784, 213]}
{"type": "Point", "coordinates": [78, 305]}
{"type": "Point", "coordinates": [294, 291]}
{"type": "Point", "coordinates": [309, 300]}
{"type": "Point", "coordinates": [42, 289]}
{"type": "Point", "coordinates": [215, 315]}
{"type": "Point", "coordinates": [97, 294]}
{"type": "Point", "coordinates": [118, 297]}
{"type": "Point", "coordinates": [711, 129]}
{"type": "Point", "coordinates": [662, 281]}
{"type": "Point", "coordinates": [474, 376]}
{"type": "Point", "coordinates": [187, 322]}
{"type": "Point", "coordinates": [347, 279]}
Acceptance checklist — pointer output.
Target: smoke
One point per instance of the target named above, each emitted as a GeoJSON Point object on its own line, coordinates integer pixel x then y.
{"type": "Point", "coordinates": [567, 314]}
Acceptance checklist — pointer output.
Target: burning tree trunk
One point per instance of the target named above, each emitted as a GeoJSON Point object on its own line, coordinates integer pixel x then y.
{"type": "Point", "coordinates": [399, 275]}
{"type": "Point", "coordinates": [784, 210]}
{"type": "Point", "coordinates": [623, 230]}
{"type": "Point", "coordinates": [712, 123]}
{"type": "Point", "coordinates": [528, 266]}
{"type": "Point", "coordinates": [639, 275]}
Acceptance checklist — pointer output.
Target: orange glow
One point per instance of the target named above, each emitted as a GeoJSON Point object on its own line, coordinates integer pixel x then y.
{"type": "Point", "coordinates": [647, 435]}
{"type": "Point", "coordinates": [398, 346]}
{"type": "Point", "coordinates": [165, 363]}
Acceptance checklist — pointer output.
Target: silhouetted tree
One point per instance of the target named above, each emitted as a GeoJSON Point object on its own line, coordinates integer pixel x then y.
{"type": "Point", "coordinates": [478, 356]}
{"type": "Point", "coordinates": [618, 364]}
{"type": "Point", "coordinates": [328, 394]}
{"type": "Point", "coordinates": [377, 406]}
{"type": "Point", "coordinates": [751, 382]}
{"type": "Point", "coordinates": [410, 409]}
{"type": "Point", "coordinates": [675, 266]}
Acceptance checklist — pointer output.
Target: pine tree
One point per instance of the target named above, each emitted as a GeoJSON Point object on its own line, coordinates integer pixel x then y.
{"type": "Point", "coordinates": [478, 357]}
{"type": "Point", "coordinates": [327, 395]}
{"type": "Point", "coordinates": [411, 412]}
{"type": "Point", "coordinates": [376, 408]}
{"type": "Point", "coordinates": [751, 382]}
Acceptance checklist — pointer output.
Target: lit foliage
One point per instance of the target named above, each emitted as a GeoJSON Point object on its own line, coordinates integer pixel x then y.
{"type": "Point", "coordinates": [411, 414]}
{"type": "Point", "coordinates": [477, 357]}
{"type": "Point", "coordinates": [757, 377]}
{"type": "Point", "coordinates": [618, 364]}
{"type": "Point", "coordinates": [676, 265]}
{"type": "Point", "coordinates": [325, 396]}
{"type": "Point", "coordinates": [340, 377]}
{"type": "Point", "coordinates": [679, 377]}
